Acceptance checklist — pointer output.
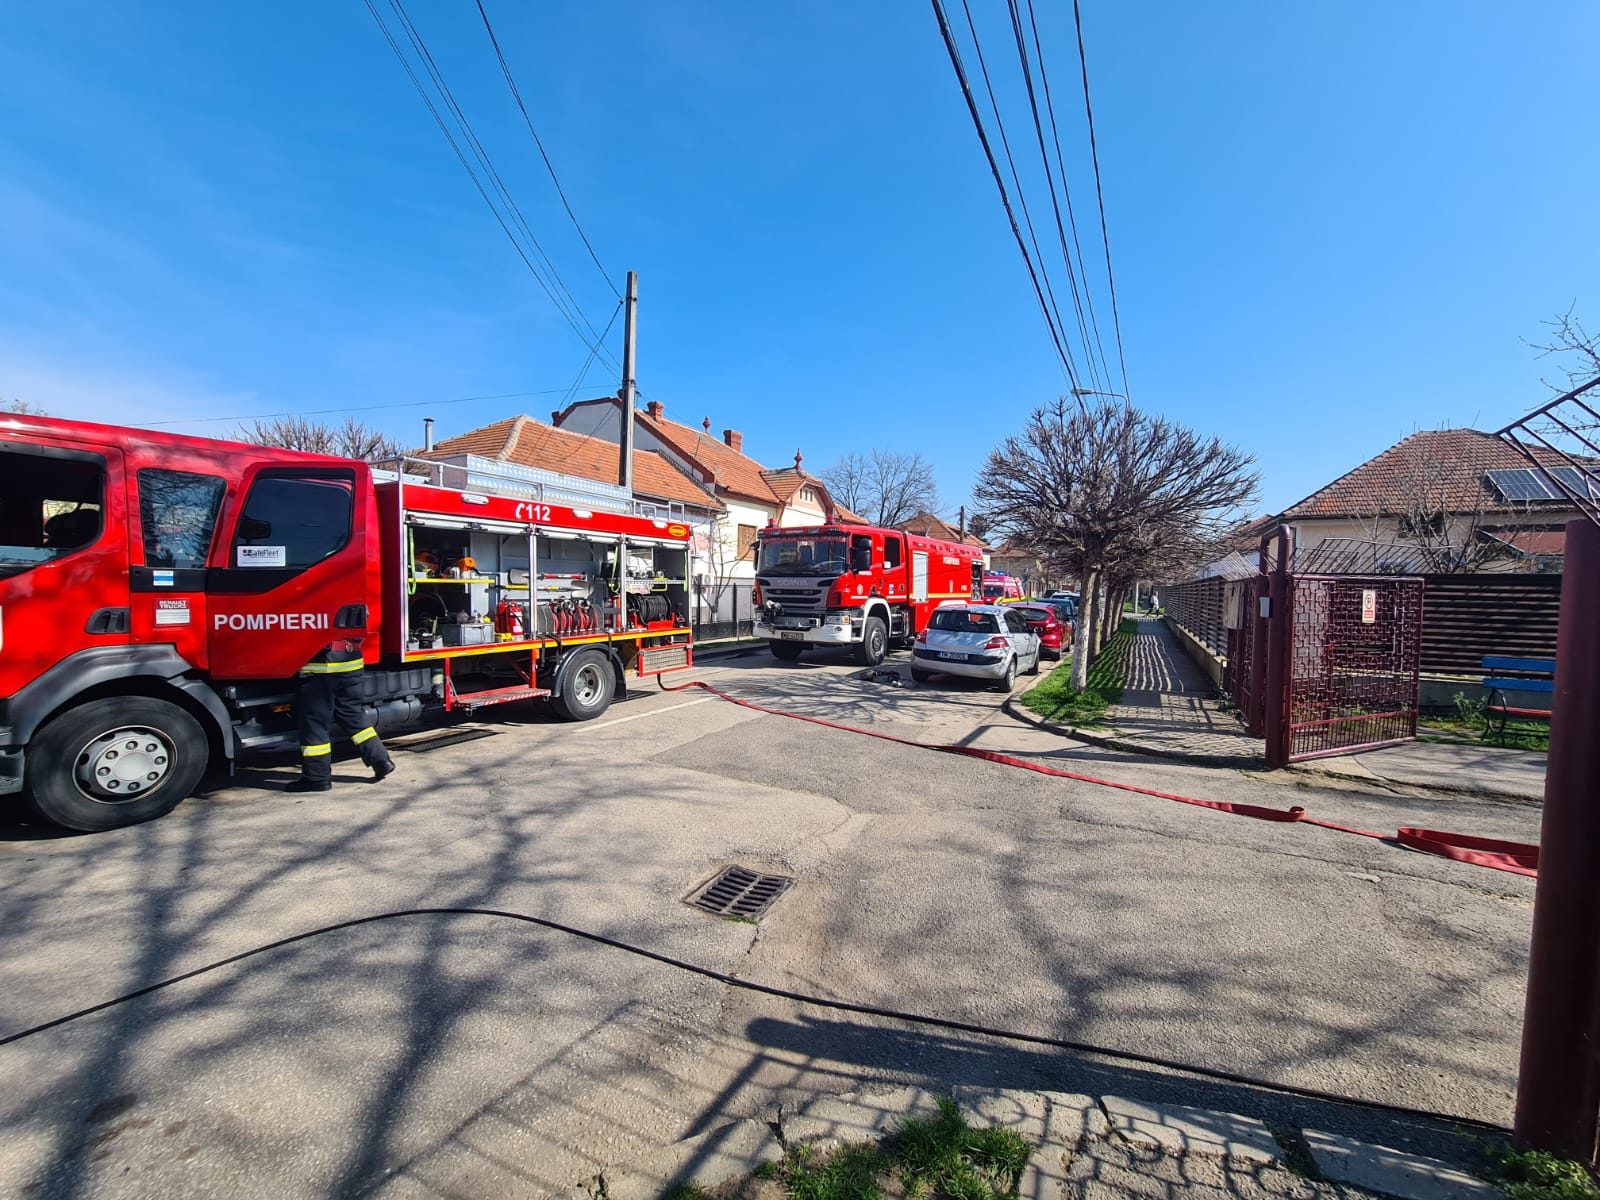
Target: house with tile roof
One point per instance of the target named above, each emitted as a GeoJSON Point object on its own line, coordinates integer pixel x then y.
{"type": "Point", "coordinates": [926, 524]}
{"type": "Point", "coordinates": [752, 496]}
{"type": "Point", "coordinates": [563, 459]}
{"type": "Point", "coordinates": [1441, 493]}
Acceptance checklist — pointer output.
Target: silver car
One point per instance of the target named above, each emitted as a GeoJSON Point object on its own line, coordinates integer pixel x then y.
{"type": "Point", "coordinates": [982, 641]}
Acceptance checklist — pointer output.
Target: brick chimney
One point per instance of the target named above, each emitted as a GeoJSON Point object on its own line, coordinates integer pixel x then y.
{"type": "Point", "coordinates": [654, 409]}
{"type": "Point", "coordinates": [734, 440]}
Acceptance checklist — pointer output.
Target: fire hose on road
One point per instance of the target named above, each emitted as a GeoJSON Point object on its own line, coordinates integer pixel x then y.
{"type": "Point", "coordinates": [1518, 858]}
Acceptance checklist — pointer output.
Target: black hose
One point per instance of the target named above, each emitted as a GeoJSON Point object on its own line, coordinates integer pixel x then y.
{"type": "Point", "coordinates": [869, 1010]}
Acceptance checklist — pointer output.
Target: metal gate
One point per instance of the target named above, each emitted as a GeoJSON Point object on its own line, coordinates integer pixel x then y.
{"type": "Point", "coordinates": [1354, 661]}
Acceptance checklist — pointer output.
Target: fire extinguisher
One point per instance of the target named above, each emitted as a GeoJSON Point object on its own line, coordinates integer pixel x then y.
{"type": "Point", "coordinates": [508, 618]}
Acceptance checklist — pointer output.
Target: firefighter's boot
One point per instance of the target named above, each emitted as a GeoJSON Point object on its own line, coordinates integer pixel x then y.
{"type": "Point", "coordinates": [374, 754]}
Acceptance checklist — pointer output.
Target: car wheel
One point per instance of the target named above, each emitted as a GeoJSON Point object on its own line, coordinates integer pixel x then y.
{"type": "Point", "coordinates": [1009, 679]}
{"type": "Point", "coordinates": [874, 643]}
{"type": "Point", "coordinates": [787, 651]}
{"type": "Point", "coordinates": [586, 688]}
{"type": "Point", "coordinates": [114, 762]}
{"type": "Point", "coordinates": [920, 675]}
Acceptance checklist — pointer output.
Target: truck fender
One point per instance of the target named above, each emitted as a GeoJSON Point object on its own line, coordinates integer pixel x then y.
{"type": "Point", "coordinates": [621, 675]}
{"type": "Point", "coordinates": [878, 607]}
{"type": "Point", "coordinates": [87, 670]}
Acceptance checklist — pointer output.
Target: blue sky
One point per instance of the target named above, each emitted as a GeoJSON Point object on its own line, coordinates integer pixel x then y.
{"type": "Point", "coordinates": [1330, 224]}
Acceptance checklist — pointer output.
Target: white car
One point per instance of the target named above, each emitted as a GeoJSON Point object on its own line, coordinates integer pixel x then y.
{"type": "Point", "coordinates": [981, 641]}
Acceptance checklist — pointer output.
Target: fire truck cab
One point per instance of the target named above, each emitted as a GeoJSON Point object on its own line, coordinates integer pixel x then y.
{"type": "Point", "coordinates": [856, 586]}
{"type": "Point", "coordinates": [159, 595]}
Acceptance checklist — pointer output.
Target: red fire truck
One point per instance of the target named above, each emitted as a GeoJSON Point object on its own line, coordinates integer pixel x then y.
{"type": "Point", "coordinates": [159, 594]}
{"type": "Point", "coordinates": [858, 586]}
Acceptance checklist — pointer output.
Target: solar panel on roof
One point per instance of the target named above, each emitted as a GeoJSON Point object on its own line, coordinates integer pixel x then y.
{"type": "Point", "coordinates": [1577, 481]}
{"type": "Point", "coordinates": [1522, 484]}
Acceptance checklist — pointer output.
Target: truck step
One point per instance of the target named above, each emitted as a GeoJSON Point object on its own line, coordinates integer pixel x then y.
{"type": "Point", "coordinates": [476, 700]}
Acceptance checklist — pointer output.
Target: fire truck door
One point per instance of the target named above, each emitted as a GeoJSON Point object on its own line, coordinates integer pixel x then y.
{"type": "Point", "coordinates": [63, 556]}
{"type": "Point", "coordinates": [919, 576]}
{"type": "Point", "coordinates": [177, 521]}
{"type": "Point", "coordinates": [977, 583]}
{"type": "Point", "coordinates": [290, 573]}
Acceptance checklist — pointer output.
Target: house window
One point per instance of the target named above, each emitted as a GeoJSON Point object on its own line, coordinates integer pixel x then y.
{"type": "Point", "coordinates": [808, 495]}
{"type": "Point", "coordinates": [747, 540]}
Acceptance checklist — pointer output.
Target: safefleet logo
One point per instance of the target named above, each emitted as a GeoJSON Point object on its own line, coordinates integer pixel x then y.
{"type": "Point", "coordinates": [265, 621]}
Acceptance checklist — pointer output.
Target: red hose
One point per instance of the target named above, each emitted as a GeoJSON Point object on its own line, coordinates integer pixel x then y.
{"type": "Point", "coordinates": [1518, 858]}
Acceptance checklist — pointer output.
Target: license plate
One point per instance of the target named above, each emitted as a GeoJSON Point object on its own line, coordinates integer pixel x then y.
{"type": "Point", "coordinates": [790, 637]}
{"type": "Point", "coordinates": [953, 654]}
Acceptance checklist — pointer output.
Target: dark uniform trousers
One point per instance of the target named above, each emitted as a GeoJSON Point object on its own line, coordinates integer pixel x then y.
{"type": "Point", "coordinates": [328, 704]}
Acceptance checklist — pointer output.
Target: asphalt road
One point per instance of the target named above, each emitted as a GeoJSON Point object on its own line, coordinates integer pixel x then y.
{"type": "Point", "coordinates": [478, 1056]}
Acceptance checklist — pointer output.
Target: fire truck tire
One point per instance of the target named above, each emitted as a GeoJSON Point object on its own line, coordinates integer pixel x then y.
{"type": "Point", "coordinates": [114, 762]}
{"type": "Point", "coordinates": [1009, 679]}
{"type": "Point", "coordinates": [586, 687]}
{"type": "Point", "coordinates": [874, 643]}
{"type": "Point", "coordinates": [787, 651]}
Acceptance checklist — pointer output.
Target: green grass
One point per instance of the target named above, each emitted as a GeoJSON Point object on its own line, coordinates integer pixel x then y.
{"type": "Point", "coordinates": [1535, 1175]}
{"type": "Point", "coordinates": [1468, 721]}
{"type": "Point", "coordinates": [937, 1156]}
{"type": "Point", "coordinates": [1056, 699]}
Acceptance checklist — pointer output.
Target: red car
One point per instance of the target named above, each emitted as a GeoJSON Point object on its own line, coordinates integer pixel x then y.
{"type": "Point", "coordinates": [1042, 619]}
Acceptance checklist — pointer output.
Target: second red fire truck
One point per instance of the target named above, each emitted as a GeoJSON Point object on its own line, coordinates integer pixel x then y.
{"type": "Point", "coordinates": [159, 594]}
{"type": "Point", "coordinates": [856, 587]}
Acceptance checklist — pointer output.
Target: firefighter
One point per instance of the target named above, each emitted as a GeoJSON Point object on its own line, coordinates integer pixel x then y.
{"type": "Point", "coordinates": [329, 699]}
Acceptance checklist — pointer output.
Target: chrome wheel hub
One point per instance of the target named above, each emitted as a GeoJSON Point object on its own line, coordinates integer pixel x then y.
{"type": "Point", "coordinates": [123, 764]}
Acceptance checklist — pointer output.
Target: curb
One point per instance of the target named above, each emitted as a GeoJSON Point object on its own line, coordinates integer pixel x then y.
{"type": "Point", "coordinates": [1460, 790]}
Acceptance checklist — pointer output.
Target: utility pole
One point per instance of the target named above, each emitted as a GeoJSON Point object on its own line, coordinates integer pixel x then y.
{"type": "Point", "coordinates": [630, 317]}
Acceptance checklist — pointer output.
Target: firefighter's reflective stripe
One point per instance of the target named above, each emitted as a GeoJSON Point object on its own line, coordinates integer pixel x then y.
{"type": "Point", "coordinates": [364, 735]}
{"type": "Point", "coordinates": [316, 751]}
{"type": "Point", "coordinates": [331, 668]}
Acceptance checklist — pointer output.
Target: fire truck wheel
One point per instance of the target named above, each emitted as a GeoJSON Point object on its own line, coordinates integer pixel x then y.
{"type": "Point", "coordinates": [586, 688]}
{"type": "Point", "coordinates": [874, 643]}
{"type": "Point", "coordinates": [114, 762]}
{"type": "Point", "coordinates": [788, 651]}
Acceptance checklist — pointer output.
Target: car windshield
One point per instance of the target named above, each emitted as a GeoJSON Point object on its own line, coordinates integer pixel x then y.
{"type": "Point", "coordinates": [960, 620]}
{"type": "Point", "coordinates": [802, 556]}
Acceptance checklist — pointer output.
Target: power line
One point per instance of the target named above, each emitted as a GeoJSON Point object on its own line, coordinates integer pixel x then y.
{"type": "Point", "coordinates": [323, 412]}
{"type": "Point", "coordinates": [1016, 178]}
{"type": "Point", "coordinates": [505, 70]}
{"type": "Point", "coordinates": [1066, 189]}
{"type": "Point", "coordinates": [483, 192]}
{"type": "Point", "coordinates": [1094, 152]}
{"type": "Point", "coordinates": [588, 362]}
{"type": "Point", "coordinates": [999, 181]}
{"type": "Point", "coordinates": [482, 155]}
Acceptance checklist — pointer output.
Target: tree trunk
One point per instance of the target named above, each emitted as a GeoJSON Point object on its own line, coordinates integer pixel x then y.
{"type": "Point", "coordinates": [1082, 635]}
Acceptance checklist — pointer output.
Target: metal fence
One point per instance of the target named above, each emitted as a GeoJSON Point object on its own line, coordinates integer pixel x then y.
{"type": "Point", "coordinates": [733, 615]}
{"type": "Point", "coordinates": [1197, 606]}
{"type": "Point", "coordinates": [1466, 617]}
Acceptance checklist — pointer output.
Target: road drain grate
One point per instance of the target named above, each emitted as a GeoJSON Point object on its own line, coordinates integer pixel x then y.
{"type": "Point", "coordinates": [740, 892]}
{"type": "Point", "coordinates": [439, 742]}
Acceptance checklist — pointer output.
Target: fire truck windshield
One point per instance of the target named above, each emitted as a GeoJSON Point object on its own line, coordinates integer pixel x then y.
{"type": "Point", "coordinates": [803, 556]}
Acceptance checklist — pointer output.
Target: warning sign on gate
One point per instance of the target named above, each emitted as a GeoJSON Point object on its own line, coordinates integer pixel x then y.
{"type": "Point", "coordinates": [1369, 606]}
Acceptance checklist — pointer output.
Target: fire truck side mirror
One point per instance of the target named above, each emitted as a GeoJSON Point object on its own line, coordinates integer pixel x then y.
{"type": "Point", "coordinates": [253, 529]}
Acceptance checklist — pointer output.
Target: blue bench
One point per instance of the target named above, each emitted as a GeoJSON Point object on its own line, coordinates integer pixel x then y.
{"type": "Point", "coordinates": [1532, 675]}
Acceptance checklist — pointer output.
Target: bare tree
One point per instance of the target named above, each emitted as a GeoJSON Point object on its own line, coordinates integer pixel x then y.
{"type": "Point", "coordinates": [979, 525]}
{"type": "Point", "coordinates": [717, 544]}
{"type": "Point", "coordinates": [22, 408]}
{"type": "Point", "coordinates": [883, 486]}
{"type": "Point", "coordinates": [1092, 488]}
{"type": "Point", "coordinates": [1577, 350]}
{"type": "Point", "coordinates": [353, 439]}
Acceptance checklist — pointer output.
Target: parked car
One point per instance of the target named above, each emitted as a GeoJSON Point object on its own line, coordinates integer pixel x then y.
{"type": "Point", "coordinates": [1043, 619]}
{"type": "Point", "coordinates": [980, 641]}
{"type": "Point", "coordinates": [1066, 612]}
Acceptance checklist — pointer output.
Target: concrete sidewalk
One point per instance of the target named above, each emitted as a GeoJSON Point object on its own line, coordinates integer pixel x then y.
{"type": "Point", "coordinates": [1169, 709]}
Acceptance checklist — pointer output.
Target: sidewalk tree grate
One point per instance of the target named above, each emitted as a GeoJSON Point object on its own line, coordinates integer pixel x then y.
{"type": "Point", "coordinates": [740, 892]}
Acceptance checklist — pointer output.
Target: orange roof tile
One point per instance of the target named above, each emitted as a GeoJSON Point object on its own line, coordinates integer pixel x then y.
{"type": "Point", "coordinates": [1454, 462]}
{"type": "Point", "coordinates": [731, 470]}
{"type": "Point", "coordinates": [925, 524]}
{"type": "Point", "coordinates": [531, 443]}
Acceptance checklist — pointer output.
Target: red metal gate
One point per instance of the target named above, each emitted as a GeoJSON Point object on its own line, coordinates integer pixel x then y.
{"type": "Point", "coordinates": [1354, 661]}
